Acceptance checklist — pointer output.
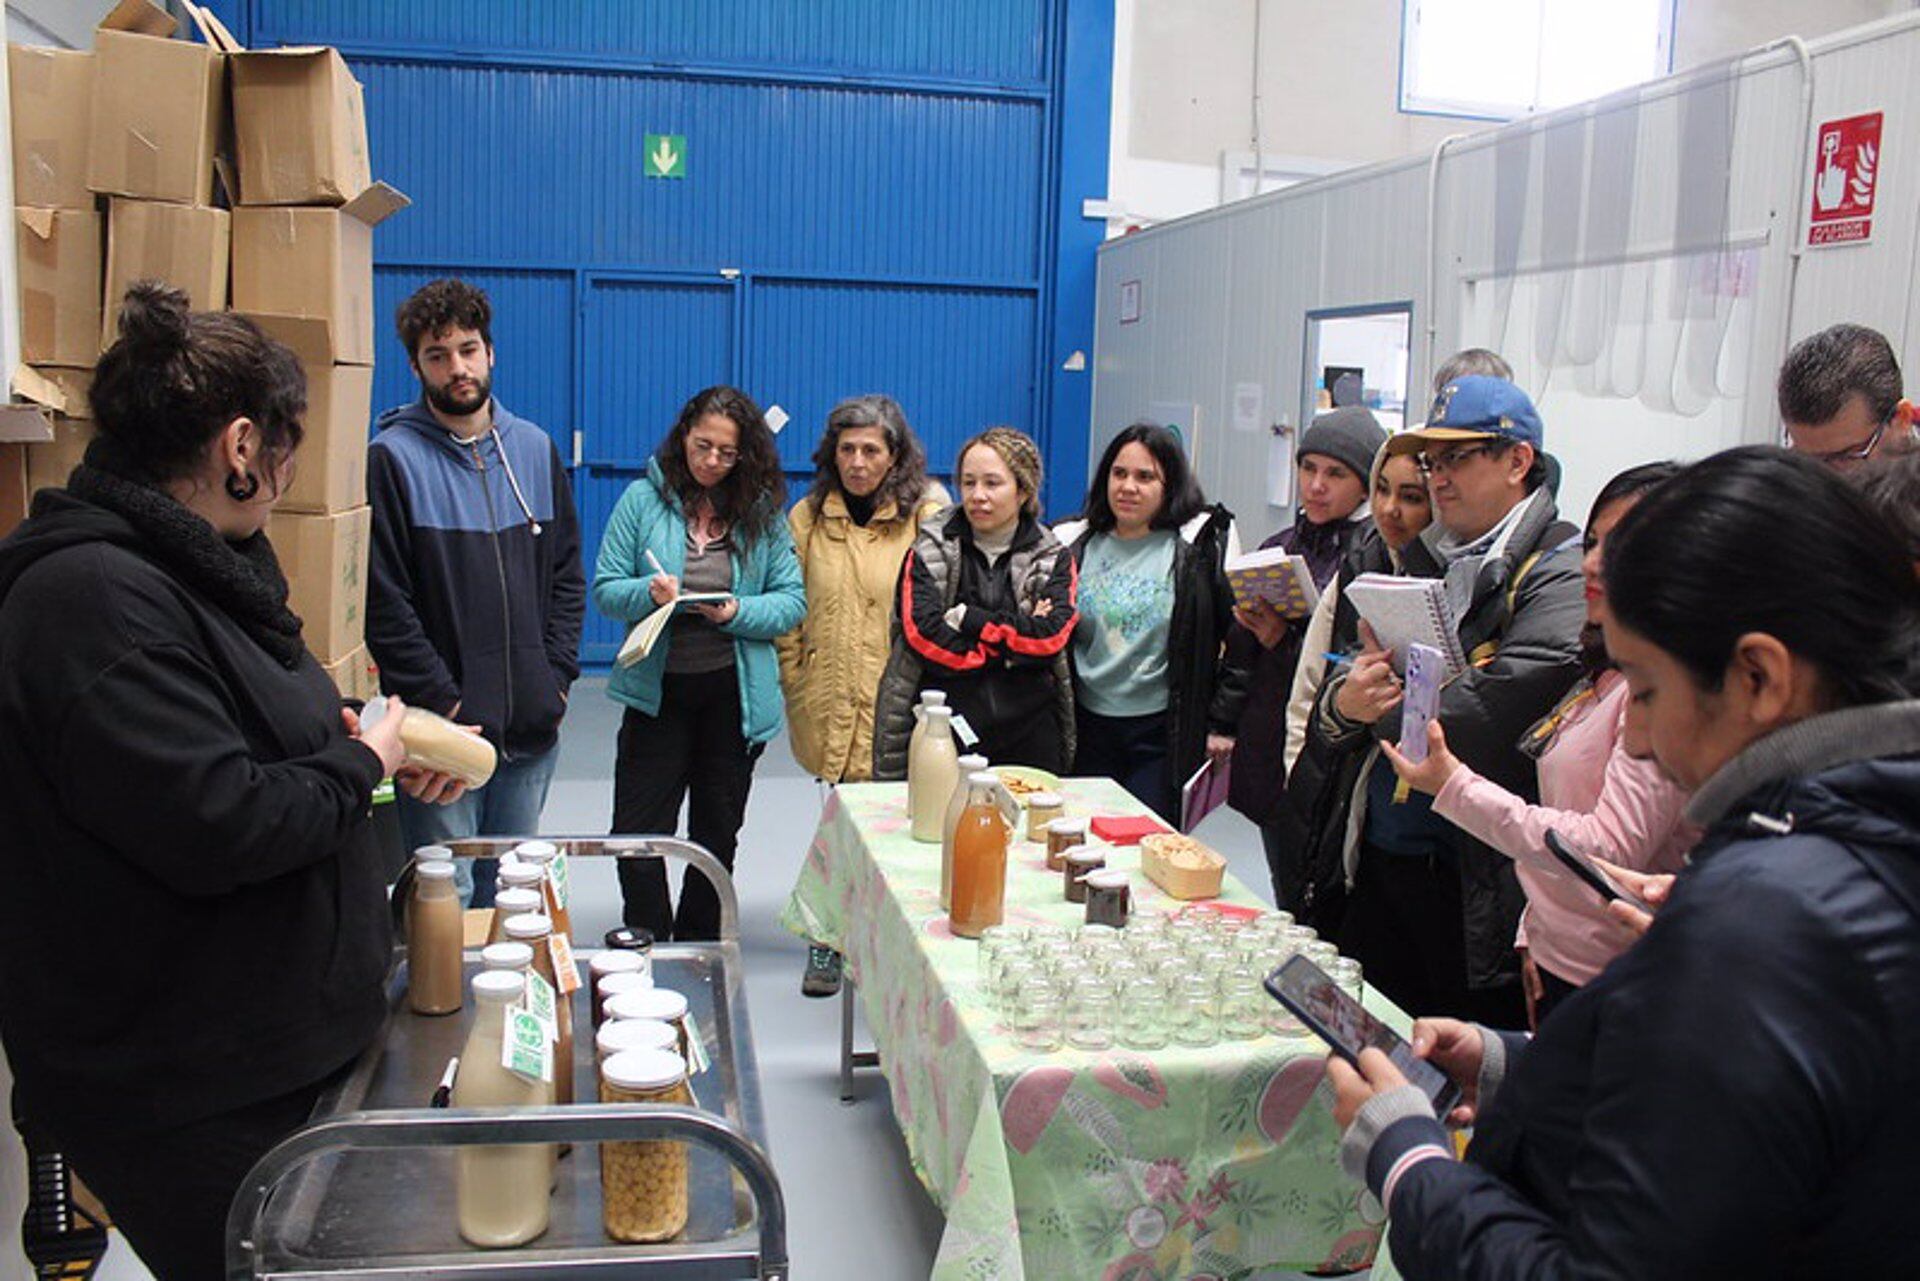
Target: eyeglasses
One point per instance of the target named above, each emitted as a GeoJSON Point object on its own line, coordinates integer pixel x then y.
{"type": "Point", "coordinates": [1852, 453]}
{"type": "Point", "coordinates": [707, 449]}
{"type": "Point", "coordinates": [1453, 459]}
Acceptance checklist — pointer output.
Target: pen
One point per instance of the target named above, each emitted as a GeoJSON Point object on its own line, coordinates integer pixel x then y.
{"type": "Point", "coordinates": [443, 1094]}
{"type": "Point", "coordinates": [655, 562]}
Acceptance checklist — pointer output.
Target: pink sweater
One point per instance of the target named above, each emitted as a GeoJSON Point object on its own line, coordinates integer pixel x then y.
{"type": "Point", "coordinates": [1602, 802]}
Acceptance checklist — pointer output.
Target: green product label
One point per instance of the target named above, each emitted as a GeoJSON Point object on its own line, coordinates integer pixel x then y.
{"type": "Point", "coordinates": [557, 874]}
{"type": "Point", "coordinates": [525, 1050]}
{"type": "Point", "coordinates": [542, 1004]}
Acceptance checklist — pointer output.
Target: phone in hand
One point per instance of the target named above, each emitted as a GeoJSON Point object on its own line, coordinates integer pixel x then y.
{"type": "Point", "coordinates": [1344, 1024]}
{"type": "Point", "coordinates": [1597, 880]}
{"type": "Point", "coordinates": [1426, 669]}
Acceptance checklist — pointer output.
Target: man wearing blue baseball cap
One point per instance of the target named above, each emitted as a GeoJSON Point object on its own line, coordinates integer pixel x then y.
{"type": "Point", "coordinates": [1433, 912]}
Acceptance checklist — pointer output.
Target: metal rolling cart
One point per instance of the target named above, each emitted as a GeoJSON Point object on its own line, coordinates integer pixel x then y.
{"type": "Point", "coordinates": [366, 1189]}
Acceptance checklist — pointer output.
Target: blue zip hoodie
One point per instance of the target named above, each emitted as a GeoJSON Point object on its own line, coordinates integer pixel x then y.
{"type": "Point", "coordinates": [766, 582]}
{"type": "Point", "coordinates": [476, 591]}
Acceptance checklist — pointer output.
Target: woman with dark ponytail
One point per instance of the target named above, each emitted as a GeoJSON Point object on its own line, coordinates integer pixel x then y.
{"type": "Point", "coordinates": [1737, 1095]}
{"type": "Point", "coordinates": [195, 928]}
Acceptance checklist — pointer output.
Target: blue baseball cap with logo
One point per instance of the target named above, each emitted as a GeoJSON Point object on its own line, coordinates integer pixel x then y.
{"type": "Point", "coordinates": [1474, 407]}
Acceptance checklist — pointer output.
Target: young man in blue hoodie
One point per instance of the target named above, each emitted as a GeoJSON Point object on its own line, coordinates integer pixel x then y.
{"type": "Point", "coordinates": [477, 592]}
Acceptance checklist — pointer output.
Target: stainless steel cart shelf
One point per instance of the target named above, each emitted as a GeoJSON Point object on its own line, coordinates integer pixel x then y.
{"type": "Point", "coordinates": [366, 1189]}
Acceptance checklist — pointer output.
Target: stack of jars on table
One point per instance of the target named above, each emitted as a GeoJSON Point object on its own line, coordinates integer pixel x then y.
{"type": "Point", "coordinates": [1194, 978]}
{"type": "Point", "coordinates": [644, 1041]}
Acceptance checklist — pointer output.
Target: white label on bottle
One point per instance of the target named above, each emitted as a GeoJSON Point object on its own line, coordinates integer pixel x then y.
{"type": "Point", "coordinates": [558, 879]}
{"type": "Point", "coordinates": [697, 1060]}
{"type": "Point", "coordinates": [542, 1004]}
{"type": "Point", "coordinates": [525, 1050]}
{"type": "Point", "coordinates": [565, 970]}
{"type": "Point", "coordinates": [967, 737]}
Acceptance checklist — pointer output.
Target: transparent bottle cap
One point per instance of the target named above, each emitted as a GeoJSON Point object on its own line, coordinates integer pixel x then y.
{"type": "Point", "coordinates": [506, 956]}
{"type": "Point", "coordinates": [528, 925]}
{"type": "Point", "coordinates": [435, 853]}
{"type": "Point", "coordinates": [610, 962]}
{"type": "Point", "coordinates": [620, 984]}
{"type": "Point", "coordinates": [536, 851]}
{"type": "Point", "coordinates": [433, 870]}
{"type": "Point", "coordinates": [662, 1003]}
{"type": "Point", "coordinates": [972, 763]}
{"type": "Point", "coordinates": [635, 1034]}
{"type": "Point", "coordinates": [644, 1070]}
{"type": "Point", "coordinates": [983, 778]}
{"type": "Point", "coordinates": [515, 901]}
{"type": "Point", "coordinates": [498, 985]}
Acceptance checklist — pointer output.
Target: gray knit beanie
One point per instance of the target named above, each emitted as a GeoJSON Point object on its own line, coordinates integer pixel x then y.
{"type": "Point", "coordinates": [1350, 435]}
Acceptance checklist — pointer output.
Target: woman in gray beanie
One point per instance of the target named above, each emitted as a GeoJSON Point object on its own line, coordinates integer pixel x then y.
{"type": "Point", "coordinates": [1332, 464]}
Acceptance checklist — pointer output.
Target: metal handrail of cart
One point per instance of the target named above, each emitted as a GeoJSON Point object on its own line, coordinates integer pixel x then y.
{"type": "Point", "coordinates": [366, 1188]}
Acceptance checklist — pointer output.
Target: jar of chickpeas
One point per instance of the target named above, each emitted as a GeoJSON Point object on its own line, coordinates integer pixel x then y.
{"type": "Point", "coordinates": [643, 1184]}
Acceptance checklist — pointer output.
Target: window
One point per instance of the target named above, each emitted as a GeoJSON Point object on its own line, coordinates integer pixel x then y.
{"type": "Point", "coordinates": [1504, 58]}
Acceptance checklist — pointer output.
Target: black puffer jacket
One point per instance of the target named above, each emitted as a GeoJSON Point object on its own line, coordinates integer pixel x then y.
{"type": "Point", "coordinates": [1205, 690]}
{"type": "Point", "coordinates": [1739, 1094]}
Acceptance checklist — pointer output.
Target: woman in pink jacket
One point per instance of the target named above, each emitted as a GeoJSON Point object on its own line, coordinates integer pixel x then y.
{"type": "Point", "coordinates": [1601, 798]}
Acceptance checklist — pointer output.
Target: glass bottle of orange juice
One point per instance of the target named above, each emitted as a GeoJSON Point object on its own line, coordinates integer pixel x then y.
{"type": "Point", "coordinates": [979, 859]}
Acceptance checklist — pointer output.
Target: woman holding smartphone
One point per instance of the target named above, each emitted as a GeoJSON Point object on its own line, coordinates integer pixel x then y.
{"type": "Point", "coordinates": [1599, 797]}
{"type": "Point", "coordinates": [1738, 1094]}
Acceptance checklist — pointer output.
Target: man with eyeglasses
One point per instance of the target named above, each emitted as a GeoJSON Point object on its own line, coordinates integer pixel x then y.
{"type": "Point", "coordinates": [1433, 912]}
{"type": "Point", "coordinates": [1840, 397]}
{"type": "Point", "coordinates": [475, 591]}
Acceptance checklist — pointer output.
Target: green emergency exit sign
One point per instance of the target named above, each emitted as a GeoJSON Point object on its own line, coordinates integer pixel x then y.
{"type": "Point", "coordinates": [666, 155]}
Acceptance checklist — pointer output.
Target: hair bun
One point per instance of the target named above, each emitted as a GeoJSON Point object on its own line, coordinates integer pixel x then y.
{"type": "Point", "coordinates": [154, 316]}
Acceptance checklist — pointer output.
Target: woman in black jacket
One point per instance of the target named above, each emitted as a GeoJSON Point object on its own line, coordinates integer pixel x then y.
{"type": "Point", "coordinates": [1738, 1095]}
{"type": "Point", "coordinates": [194, 933]}
{"type": "Point", "coordinates": [1152, 693]}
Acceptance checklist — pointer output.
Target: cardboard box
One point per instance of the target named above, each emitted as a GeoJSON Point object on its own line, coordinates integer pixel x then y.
{"type": "Point", "coordinates": [51, 91]}
{"type": "Point", "coordinates": [355, 676]}
{"type": "Point", "coordinates": [185, 246]}
{"type": "Point", "coordinates": [330, 472]}
{"type": "Point", "coordinates": [157, 109]}
{"type": "Point", "coordinates": [49, 464]}
{"type": "Point", "coordinates": [325, 560]}
{"type": "Point", "coordinates": [13, 487]}
{"type": "Point", "coordinates": [62, 390]}
{"type": "Point", "coordinates": [59, 252]}
{"type": "Point", "coordinates": [299, 119]}
{"type": "Point", "coordinates": [314, 263]}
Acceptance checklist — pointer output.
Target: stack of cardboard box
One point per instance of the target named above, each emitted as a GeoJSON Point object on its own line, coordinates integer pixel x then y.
{"type": "Point", "coordinates": [152, 138]}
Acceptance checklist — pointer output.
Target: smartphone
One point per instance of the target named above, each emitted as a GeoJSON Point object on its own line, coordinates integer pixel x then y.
{"type": "Point", "coordinates": [1344, 1024]}
{"type": "Point", "coordinates": [1598, 881]}
{"type": "Point", "coordinates": [1426, 668]}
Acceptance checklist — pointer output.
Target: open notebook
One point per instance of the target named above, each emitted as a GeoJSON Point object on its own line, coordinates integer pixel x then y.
{"type": "Point", "coordinates": [1402, 611]}
{"type": "Point", "coordinates": [646, 633]}
{"type": "Point", "coordinates": [1272, 575]}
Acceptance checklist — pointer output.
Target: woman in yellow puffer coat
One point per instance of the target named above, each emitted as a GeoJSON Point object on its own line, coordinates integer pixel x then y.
{"type": "Point", "coordinates": [870, 493]}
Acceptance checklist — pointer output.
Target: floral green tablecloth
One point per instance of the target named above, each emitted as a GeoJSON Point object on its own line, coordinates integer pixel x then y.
{"type": "Point", "coordinates": [1110, 1165]}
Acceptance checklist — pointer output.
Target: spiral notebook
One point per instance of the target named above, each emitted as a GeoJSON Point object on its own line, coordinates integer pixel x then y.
{"type": "Point", "coordinates": [1403, 611]}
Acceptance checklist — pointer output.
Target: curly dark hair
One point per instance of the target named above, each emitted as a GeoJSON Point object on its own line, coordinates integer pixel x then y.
{"type": "Point", "coordinates": [176, 377]}
{"type": "Point", "coordinates": [754, 494]}
{"type": "Point", "coordinates": [906, 480]}
{"type": "Point", "coordinates": [440, 305]}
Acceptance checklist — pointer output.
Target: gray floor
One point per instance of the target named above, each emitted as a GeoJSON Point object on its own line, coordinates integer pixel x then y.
{"type": "Point", "coordinates": [839, 1164]}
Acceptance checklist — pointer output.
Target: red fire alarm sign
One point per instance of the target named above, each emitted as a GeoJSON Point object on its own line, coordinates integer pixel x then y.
{"type": "Point", "coordinates": [1846, 170]}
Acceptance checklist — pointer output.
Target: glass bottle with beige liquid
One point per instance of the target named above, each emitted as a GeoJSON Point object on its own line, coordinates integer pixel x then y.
{"type": "Point", "coordinates": [928, 698]}
{"type": "Point", "coordinates": [508, 904]}
{"type": "Point", "coordinates": [533, 930]}
{"type": "Point", "coordinates": [970, 765]}
{"type": "Point", "coordinates": [433, 742]}
{"type": "Point", "coordinates": [543, 855]}
{"type": "Point", "coordinates": [979, 860]}
{"type": "Point", "coordinates": [933, 767]}
{"type": "Point", "coordinates": [501, 1190]}
{"type": "Point", "coordinates": [434, 980]}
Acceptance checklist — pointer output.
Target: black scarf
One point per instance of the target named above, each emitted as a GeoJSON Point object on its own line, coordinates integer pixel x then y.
{"type": "Point", "coordinates": [242, 578]}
